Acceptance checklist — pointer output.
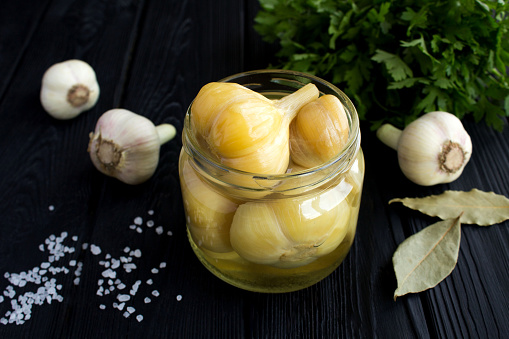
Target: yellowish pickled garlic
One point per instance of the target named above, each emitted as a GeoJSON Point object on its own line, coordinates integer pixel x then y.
{"type": "Point", "coordinates": [318, 132]}
{"type": "Point", "coordinates": [209, 214]}
{"type": "Point", "coordinates": [291, 232]}
{"type": "Point", "coordinates": [244, 129]}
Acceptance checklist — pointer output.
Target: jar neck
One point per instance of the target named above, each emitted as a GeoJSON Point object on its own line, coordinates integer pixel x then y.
{"type": "Point", "coordinates": [215, 173]}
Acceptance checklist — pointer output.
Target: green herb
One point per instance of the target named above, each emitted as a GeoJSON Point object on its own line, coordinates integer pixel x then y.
{"type": "Point", "coordinates": [398, 59]}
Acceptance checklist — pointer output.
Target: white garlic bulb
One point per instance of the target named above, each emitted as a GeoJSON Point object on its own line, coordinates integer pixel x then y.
{"type": "Point", "coordinates": [68, 89]}
{"type": "Point", "coordinates": [126, 145]}
{"type": "Point", "coordinates": [433, 149]}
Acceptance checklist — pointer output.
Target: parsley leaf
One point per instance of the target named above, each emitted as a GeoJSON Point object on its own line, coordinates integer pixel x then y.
{"type": "Point", "coordinates": [398, 59]}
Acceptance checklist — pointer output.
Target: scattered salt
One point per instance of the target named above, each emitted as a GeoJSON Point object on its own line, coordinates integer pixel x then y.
{"type": "Point", "coordinates": [123, 297]}
{"type": "Point", "coordinates": [51, 207]}
{"type": "Point", "coordinates": [179, 297]}
{"type": "Point", "coordinates": [96, 250]}
{"type": "Point", "coordinates": [48, 288]}
{"type": "Point", "coordinates": [170, 233]}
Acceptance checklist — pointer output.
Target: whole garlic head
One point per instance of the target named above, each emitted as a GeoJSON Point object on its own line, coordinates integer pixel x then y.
{"type": "Point", "coordinates": [126, 145]}
{"type": "Point", "coordinates": [68, 89]}
{"type": "Point", "coordinates": [433, 149]}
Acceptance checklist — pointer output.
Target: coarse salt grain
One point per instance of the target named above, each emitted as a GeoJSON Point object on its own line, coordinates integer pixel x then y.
{"type": "Point", "coordinates": [154, 271]}
{"type": "Point", "coordinates": [150, 212]}
{"type": "Point", "coordinates": [170, 233]}
{"type": "Point", "coordinates": [123, 297]}
{"type": "Point", "coordinates": [138, 221]}
{"type": "Point", "coordinates": [155, 293]}
{"type": "Point", "coordinates": [131, 309]}
{"type": "Point", "coordinates": [96, 250]}
{"type": "Point", "coordinates": [150, 282]}
{"type": "Point", "coordinates": [147, 300]}
{"type": "Point", "coordinates": [179, 297]}
{"type": "Point", "coordinates": [159, 230]}
{"type": "Point", "coordinates": [102, 307]}
{"type": "Point", "coordinates": [139, 317]}
{"type": "Point", "coordinates": [150, 223]}
{"type": "Point", "coordinates": [51, 207]}
{"type": "Point", "coordinates": [162, 265]}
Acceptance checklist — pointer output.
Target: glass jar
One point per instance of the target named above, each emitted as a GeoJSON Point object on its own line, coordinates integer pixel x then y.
{"type": "Point", "coordinates": [272, 233]}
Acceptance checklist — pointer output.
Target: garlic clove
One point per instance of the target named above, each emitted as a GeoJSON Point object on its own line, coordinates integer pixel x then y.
{"type": "Point", "coordinates": [209, 214]}
{"type": "Point", "coordinates": [319, 131]}
{"type": "Point", "coordinates": [433, 149]}
{"type": "Point", "coordinates": [68, 89]}
{"type": "Point", "coordinates": [126, 145]}
{"type": "Point", "coordinates": [293, 232]}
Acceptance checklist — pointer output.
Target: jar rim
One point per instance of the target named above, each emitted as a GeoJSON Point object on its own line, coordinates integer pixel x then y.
{"type": "Point", "coordinates": [288, 79]}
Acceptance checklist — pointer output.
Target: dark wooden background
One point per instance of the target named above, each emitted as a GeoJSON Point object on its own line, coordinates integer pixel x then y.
{"type": "Point", "coordinates": [152, 57]}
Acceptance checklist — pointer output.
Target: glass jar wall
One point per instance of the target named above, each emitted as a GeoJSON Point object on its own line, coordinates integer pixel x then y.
{"type": "Point", "coordinates": [272, 233]}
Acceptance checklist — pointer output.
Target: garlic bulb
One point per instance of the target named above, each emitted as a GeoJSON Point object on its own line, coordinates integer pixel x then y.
{"type": "Point", "coordinates": [126, 145]}
{"type": "Point", "coordinates": [433, 149]}
{"type": "Point", "coordinates": [291, 232]}
{"type": "Point", "coordinates": [245, 130]}
{"type": "Point", "coordinates": [69, 88]}
{"type": "Point", "coordinates": [318, 132]}
{"type": "Point", "coordinates": [209, 214]}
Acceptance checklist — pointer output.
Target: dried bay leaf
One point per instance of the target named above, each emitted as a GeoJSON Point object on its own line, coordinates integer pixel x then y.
{"type": "Point", "coordinates": [478, 207]}
{"type": "Point", "coordinates": [426, 258]}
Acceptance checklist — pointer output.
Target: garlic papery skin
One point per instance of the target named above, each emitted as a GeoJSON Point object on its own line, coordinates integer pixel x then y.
{"type": "Point", "coordinates": [126, 145]}
{"type": "Point", "coordinates": [68, 89]}
{"type": "Point", "coordinates": [433, 149]}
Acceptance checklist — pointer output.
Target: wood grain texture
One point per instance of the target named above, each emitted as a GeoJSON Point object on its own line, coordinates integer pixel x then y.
{"type": "Point", "coordinates": [152, 57]}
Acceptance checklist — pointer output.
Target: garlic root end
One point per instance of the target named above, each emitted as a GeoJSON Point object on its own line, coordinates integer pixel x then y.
{"type": "Point", "coordinates": [389, 135]}
{"type": "Point", "coordinates": [452, 157]}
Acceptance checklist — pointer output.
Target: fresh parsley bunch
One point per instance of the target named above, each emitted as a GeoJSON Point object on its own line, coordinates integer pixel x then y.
{"type": "Point", "coordinates": [398, 59]}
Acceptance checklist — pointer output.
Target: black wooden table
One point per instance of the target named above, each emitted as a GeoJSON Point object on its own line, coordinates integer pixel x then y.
{"type": "Point", "coordinates": [83, 255]}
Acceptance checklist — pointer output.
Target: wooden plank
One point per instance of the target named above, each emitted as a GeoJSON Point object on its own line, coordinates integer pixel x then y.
{"type": "Point", "coordinates": [44, 161]}
{"type": "Point", "coordinates": [16, 35]}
